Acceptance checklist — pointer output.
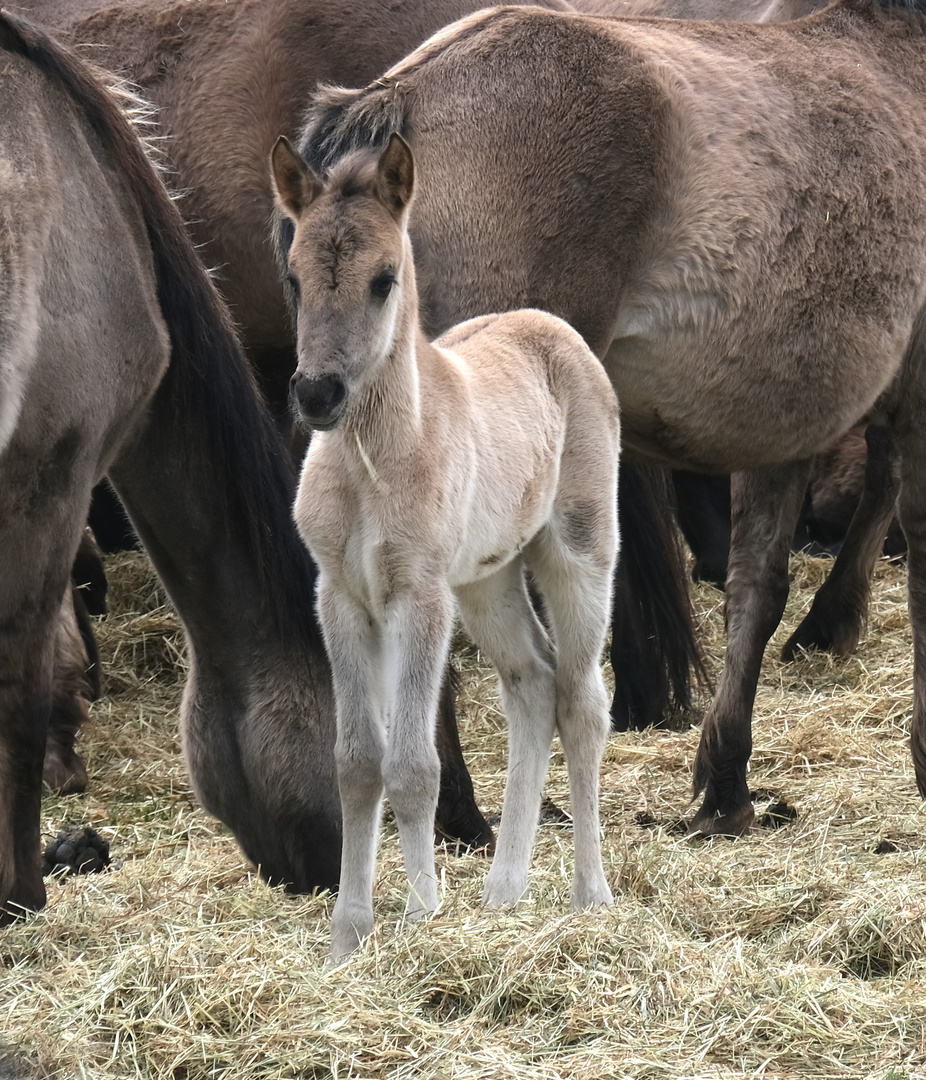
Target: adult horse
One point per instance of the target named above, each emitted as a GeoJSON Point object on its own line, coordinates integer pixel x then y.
{"type": "Point", "coordinates": [733, 215]}
{"type": "Point", "coordinates": [117, 355]}
{"type": "Point", "coordinates": [228, 79]}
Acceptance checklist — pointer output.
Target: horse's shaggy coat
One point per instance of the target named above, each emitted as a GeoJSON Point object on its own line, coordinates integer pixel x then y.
{"type": "Point", "coordinates": [116, 354]}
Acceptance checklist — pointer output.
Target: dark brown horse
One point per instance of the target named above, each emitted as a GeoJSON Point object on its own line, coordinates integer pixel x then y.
{"type": "Point", "coordinates": [117, 355]}
{"type": "Point", "coordinates": [734, 216]}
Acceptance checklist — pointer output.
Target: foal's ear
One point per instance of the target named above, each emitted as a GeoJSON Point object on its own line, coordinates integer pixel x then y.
{"type": "Point", "coordinates": [395, 175]}
{"type": "Point", "coordinates": [295, 184]}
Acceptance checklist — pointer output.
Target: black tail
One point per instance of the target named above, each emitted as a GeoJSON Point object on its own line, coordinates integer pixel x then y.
{"type": "Point", "coordinates": [207, 401]}
{"type": "Point", "coordinates": [653, 647]}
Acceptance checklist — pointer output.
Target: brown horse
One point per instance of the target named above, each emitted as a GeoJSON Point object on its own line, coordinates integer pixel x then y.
{"type": "Point", "coordinates": [117, 355]}
{"type": "Point", "coordinates": [734, 216]}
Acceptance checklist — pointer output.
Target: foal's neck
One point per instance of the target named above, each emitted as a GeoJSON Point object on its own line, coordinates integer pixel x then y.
{"type": "Point", "coordinates": [387, 420]}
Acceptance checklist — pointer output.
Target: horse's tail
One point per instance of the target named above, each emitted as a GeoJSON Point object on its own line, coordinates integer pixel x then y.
{"type": "Point", "coordinates": [207, 401]}
{"type": "Point", "coordinates": [653, 647]}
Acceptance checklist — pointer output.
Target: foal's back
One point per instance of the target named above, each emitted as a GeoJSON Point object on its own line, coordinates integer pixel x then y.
{"type": "Point", "coordinates": [535, 392]}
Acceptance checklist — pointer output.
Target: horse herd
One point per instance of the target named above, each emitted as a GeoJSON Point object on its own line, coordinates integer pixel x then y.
{"type": "Point", "coordinates": [730, 214]}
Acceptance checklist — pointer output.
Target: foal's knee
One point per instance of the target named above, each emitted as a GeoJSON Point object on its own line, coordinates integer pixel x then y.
{"type": "Point", "coordinates": [412, 784]}
{"type": "Point", "coordinates": [360, 772]}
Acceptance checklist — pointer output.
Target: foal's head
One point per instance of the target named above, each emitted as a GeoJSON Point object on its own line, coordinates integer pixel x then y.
{"type": "Point", "coordinates": [349, 265]}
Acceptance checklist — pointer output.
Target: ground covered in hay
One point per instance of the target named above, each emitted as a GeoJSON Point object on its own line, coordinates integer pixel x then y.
{"type": "Point", "coordinates": [798, 951]}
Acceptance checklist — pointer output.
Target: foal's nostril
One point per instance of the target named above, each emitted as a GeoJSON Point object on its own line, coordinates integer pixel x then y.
{"type": "Point", "coordinates": [318, 401]}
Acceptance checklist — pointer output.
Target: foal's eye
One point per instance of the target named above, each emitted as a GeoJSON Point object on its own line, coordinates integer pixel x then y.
{"type": "Point", "coordinates": [381, 285]}
{"type": "Point", "coordinates": [293, 282]}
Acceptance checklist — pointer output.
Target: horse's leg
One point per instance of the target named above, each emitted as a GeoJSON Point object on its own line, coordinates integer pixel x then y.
{"type": "Point", "coordinates": [839, 609]}
{"type": "Point", "coordinates": [498, 616]}
{"type": "Point", "coordinates": [912, 505]}
{"type": "Point", "coordinates": [458, 816]}
{"type": "Point", "coordinates": [33, 577]}
{"type": "Point", "coordinates": [575, 585]}
{"type": "Point", "coordinates": [766, 503]}
{"type": "Point", "coordinates": [64, 771]}
{"type": "Point", "coordinates": [354, 648]}
{"type": "Point", "coordinates": [417, 645]}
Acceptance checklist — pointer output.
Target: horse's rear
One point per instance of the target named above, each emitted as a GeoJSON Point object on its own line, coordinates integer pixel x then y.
{"type": "Point", "coordinates": [82, 346]}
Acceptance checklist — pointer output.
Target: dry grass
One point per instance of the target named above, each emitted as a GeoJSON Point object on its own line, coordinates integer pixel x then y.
{"type": "Point", "coordinates": [794, 952]}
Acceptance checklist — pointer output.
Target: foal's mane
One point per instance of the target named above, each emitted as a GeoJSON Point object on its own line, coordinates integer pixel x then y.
{"type": "Point", "coordinates": [207, 399]}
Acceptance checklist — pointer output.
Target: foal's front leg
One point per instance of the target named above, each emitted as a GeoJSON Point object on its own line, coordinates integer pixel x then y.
{"type": "Point", "coordinates": [417, 644]}
{"type": "Point", "coordinates": [355, 650]}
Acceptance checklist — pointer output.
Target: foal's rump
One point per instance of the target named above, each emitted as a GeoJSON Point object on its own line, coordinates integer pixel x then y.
{"type": "Point", "coordinates": [544, 416]}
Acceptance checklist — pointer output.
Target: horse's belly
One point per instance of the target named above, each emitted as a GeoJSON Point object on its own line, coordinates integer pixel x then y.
{"type": "Point", "coordinates": [689, 402]}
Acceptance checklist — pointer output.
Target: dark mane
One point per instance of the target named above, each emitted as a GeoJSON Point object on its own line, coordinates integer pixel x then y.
{"type": "Point", "coordinates": [207, 400]}
{"type": "Point", "coordinates": [341, 121]}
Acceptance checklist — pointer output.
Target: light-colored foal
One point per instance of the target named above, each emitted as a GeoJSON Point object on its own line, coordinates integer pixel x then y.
{"type": "Point", "coordinates": [438, 471]}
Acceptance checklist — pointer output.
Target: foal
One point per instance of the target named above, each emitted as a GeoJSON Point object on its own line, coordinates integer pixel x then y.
{"type": "Point", "coordinates": [438, 470]}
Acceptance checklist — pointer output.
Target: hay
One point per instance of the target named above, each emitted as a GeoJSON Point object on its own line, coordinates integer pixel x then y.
{"type": "Point", "coordinates": [796, 952]}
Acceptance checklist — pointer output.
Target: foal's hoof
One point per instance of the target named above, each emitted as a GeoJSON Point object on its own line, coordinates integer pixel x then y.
{"type": "Point", "coordinates": [590, 895]}
{"type": "Point", "coordinates": [350, 927]}
{"type": "Point", "coordinates": [503, 890]}
{"type": "Point", "coordinates": [734, 822]}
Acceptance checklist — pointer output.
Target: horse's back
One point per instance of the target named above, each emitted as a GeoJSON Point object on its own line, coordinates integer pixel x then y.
{"type": "Point", "coordinates": [533, 362]}
{"type": "Point", "coordinates": [724, 200]}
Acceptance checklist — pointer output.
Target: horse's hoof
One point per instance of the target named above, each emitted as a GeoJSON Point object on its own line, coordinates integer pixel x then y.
{"type": "Point", "coordinates": [503, 890]}
{"type": "Point", "coordinates": [423, 900]}
{"type": "Point", "coordinates": [64, 775]}
{"type": "Point", "coordinates": [464, 826]}
{"type": "Point", "coordinates": [22, 901]}
{"type": "Point", "coordinates": [735, 822]}
{"type": "Point", "coordinates": [815, 634]}
{"type": "Point", "coordinates": [350, 927]}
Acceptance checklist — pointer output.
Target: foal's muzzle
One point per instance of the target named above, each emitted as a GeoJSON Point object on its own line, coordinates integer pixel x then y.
{"type": "Point", "coordinates": [318, 402]}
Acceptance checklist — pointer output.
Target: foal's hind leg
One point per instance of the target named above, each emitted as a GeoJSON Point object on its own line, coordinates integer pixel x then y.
{"type": "Point", "coordinates": [766, 503]}
{"type": "Point", "coordinates": [575, 581]}
{"type": "Point", "coordinates": [498, 616]}
{"type": "Point", "coordinates": [838, 611]}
